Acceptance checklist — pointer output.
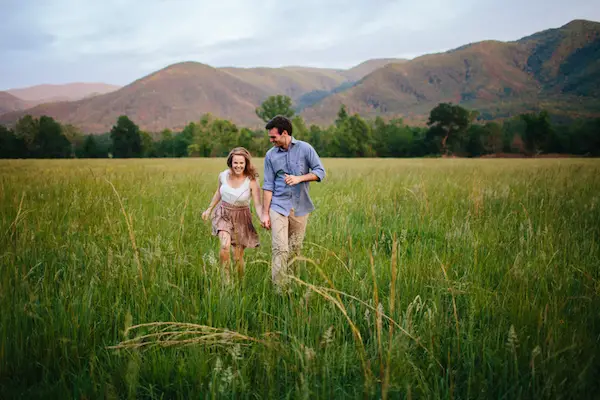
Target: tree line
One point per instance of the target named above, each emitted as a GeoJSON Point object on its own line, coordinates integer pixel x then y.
{"type": "Point", "coordinates": [451, 130]}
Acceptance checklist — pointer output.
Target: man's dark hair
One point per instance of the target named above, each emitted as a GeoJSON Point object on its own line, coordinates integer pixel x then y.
{"type": "Point", "coordinates": [281, 123]}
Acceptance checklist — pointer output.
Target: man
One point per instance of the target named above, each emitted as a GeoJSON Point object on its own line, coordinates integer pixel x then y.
{"type": "Point", "coordinates": [289, 167]}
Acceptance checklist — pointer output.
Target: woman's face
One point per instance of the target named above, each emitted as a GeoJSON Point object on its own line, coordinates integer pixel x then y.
{"type": "Point", "coordinates": [238, 164]}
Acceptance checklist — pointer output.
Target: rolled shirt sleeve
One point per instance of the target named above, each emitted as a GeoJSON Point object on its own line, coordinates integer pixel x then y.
{"type": "Point", "coordinates": [269, 178]}
{"type": "Point", "coordinates": [314, 163]}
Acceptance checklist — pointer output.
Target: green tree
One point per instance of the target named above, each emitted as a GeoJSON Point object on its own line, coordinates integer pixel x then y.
{"type": "Point", "coordinates": [380, 138]}
{"type": "Point", "coordinates": [275, 105]}
{"type": "Point", "coordinates": [165, 146]}
{"type": "Point", "coordinates": [352, 137]}
{"type": "Point", "coordinates": [204, 137]}
{"type": "Point", "coordinates": [147, 144]}
{"type": "Point", "coordinates": [299, 128]}
{"type": "Point", "coordinates": [342, 116]}
{"type": "Point", "coordinates": [10, 145]}
{"type": "Point", "coordinates": [584, 137]}
{"type": "Point", "coordinates": [318, 140]}
{"type": "Point", "coordinates": [182, 141]}
{"type": "Point", "coordinates": [260, 143]}
{"type": "Point", "coordinates": [475, 140]}
{"type": "Point", "coordinates": [361, 132]}
{"type": "Point", "coordinates": [245, 139]}
{"type": "Point", "coordinates": [493, 141]}
{"type": "Point", "coordinates": [126, 139]}
{"type": "Point", "coordinates": [50, 142]}
{"type": "Point", "coordinates": [422, 143]}
{"type": "Point", "coordinates": [343, 143]}
{"type": "Point", "coordinates": [26, 129]}
{"type": "Point", "coordinates": [513, 130]}
{"type": "Point", "coordinates": [193, 150]}
{"type": "Point", "coordinates": [538, 130]}
{"type": "Point", "coordinates": [104, 143]}
{"type": "Point", "coordinates": [90, 148]}
{"type": "Point", "coordinates": [226, 134]}
{"type": "Point", "coordinates": [450, 122]}
{"type": "Point", "coordinates": [213, 137]}
{"type": "Point", "coordinates": [393, 139]}
{"type": "Point", "coordinates": [74, 136]}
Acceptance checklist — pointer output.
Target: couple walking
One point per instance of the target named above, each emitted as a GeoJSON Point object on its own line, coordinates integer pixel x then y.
{"type": "Point", "coordinates": [288, 168]}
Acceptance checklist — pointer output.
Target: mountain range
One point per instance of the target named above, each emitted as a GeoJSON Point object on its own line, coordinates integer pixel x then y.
{"type": "Point", "coordinates": [8, 103]}
{"type": "Point", "coordinates": [23, 98]}
{"type": "Point", "coordinates": [556, 69]}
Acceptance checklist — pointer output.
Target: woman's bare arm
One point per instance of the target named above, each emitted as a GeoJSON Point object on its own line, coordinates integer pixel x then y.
{"type": "Point", "coordinates": [254, 187]}
{"type": "Point", "coordinates": [216, 198]}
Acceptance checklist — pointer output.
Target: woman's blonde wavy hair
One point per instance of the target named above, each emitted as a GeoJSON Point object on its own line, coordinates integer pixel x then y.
{"type": "Point", "coordinates": [249, 170]}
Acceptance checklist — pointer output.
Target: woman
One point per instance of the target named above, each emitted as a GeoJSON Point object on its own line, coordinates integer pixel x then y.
{"type": "Point", "coordinates": [232, 220]}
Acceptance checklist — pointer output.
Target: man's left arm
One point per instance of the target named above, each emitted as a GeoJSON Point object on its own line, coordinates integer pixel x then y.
{"type": "Point", "coordinates": [317, 171]}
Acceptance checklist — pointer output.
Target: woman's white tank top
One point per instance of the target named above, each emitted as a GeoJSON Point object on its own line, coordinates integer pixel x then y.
{"type": "Point", "coordinates": [237, 196]}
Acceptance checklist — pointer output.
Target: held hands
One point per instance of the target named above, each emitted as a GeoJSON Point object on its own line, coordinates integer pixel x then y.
{"type": "Point", "coordinates": [265, 221]}
{"type": "Point", "coordinates": [292, 179]}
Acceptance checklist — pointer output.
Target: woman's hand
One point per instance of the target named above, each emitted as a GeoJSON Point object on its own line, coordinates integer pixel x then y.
{"type": "Point", "coordinates": [206, 214]}
{"type": "Point", "coordinates": [265, 220]}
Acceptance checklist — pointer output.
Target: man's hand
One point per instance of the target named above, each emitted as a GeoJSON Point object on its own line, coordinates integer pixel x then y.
{"type": "Point", "coordinates": [265, 221]}
{"type": "Point", "coordinates": [292, 179]}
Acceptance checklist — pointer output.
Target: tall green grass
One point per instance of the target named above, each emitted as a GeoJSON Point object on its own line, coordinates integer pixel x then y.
{"type": "Point", "coordinates": [494, 264]}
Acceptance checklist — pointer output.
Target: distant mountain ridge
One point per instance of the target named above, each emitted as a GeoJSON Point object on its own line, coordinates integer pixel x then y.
{"type": "Point", "coordinates": [557, 69]}
{"type": "Point", "coordinates": [66, 92]}
{"type": "Point", "coordinates": [180, 93]}
{"type": "Point", "coordinates": [9, 103]}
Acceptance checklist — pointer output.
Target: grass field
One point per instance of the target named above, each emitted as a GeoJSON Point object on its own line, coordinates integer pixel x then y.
{"type": "Point", "coordinates": [425, 279]}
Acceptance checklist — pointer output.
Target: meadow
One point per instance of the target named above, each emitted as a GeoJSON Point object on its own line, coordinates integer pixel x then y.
{"type": "Point", "coordinates": [420, 278]}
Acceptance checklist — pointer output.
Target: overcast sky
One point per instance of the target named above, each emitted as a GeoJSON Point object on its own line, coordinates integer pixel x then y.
{"type": "Point", "coordinates": [118, 41]}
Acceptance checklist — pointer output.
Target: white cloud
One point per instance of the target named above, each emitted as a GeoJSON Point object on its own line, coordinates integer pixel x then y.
{"type": "Point", "coordinates": [118, 41]}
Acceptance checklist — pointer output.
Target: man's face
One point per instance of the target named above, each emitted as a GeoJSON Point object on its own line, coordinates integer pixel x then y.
{"type": "Point", "coordinates": [276, 138]}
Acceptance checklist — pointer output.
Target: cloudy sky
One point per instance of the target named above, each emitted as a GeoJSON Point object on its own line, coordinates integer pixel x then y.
{"type": "Point", "coordinates": [118, 41]}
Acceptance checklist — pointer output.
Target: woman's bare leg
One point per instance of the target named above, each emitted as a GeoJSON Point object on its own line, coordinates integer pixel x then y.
{"type": "Point", "coordinates": [238, 256]}
{"type": "Point", "coordinates": [224, 255]}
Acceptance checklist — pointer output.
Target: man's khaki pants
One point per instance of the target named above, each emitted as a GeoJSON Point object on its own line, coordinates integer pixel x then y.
{"type": "Point", "coordinates": [287, 235]}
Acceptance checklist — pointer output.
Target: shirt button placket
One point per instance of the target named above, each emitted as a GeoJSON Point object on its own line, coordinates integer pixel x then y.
{"type": "Point", "coordinates": [291, 172]}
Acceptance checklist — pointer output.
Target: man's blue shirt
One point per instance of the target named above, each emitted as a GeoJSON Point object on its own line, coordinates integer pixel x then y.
{"type": "Point", "coordinates": [299, 159]}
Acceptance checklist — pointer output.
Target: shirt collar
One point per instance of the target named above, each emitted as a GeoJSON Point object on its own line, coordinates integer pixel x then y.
{"type": "Point", "coordinates": [294, 141]}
